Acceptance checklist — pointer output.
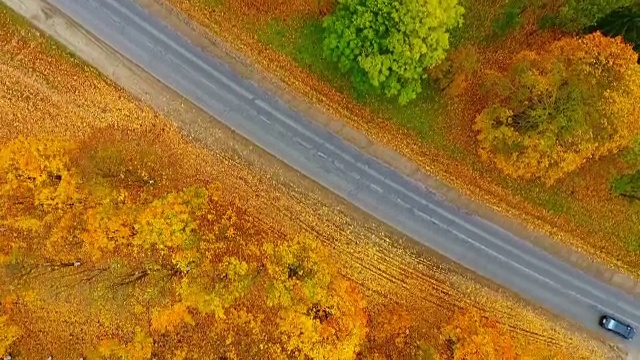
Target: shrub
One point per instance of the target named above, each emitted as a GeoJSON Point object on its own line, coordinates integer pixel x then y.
{"type": "Point", "coordinates": [627, 185]}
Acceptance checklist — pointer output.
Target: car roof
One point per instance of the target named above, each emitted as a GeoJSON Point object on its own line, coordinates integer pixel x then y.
{"type": "Point", "coordinates": [620, 327]}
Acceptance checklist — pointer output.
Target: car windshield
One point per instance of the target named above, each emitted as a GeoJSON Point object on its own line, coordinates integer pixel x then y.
{"type": "Point", "coordinates": [617, 326]}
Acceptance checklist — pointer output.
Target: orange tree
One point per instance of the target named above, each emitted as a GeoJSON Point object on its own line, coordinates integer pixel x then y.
{"type": "Point", "coordinates": [470, 336]}
{"type": "Point", "coordinates": [554, 109]}
{"type": "Point", "coordinates": [137, 268]}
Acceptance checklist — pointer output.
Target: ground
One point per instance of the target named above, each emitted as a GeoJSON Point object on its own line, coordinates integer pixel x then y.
{"type": "Point", "coordinates": [49, 94]}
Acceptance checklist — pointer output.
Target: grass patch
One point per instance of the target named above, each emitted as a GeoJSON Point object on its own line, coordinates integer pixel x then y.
{"type": "Point", "coordinates": [479, 17]}
{"type": "Point", "coordinates": [552, 201]}
{"type": "Point", "coordinates": [633, 244]}
{"type": "Point", "coordinates": [423, 116]}
{"type": "Point", "coordinates": [302, 41]}
{"type": "Point", "coordinates": [213, 3]}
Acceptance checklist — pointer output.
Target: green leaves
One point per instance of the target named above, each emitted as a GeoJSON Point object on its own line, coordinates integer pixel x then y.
{"type": "Point", "coordinates": [388, 44]}
{"type": "Point", "coordinates": [627, 185]}
{"type": "Point", "coordinates": [576, 15]}
{"type": "Point", "coordinates": [623, 22]}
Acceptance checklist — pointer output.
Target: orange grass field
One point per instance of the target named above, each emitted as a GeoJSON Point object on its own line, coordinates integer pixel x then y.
{"type": "Point", "coordinates": [45, 93]}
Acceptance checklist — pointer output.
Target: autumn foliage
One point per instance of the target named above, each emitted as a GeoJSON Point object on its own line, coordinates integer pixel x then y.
{"type": "Point", "coordinates": [180, 273]}
{"type": "Point", "coordinates": [553, 110]}
{"type": "Point", "coordinates": [471, 336]}
{"type": "Point", "coordinates": [281, 297]}
{"type": "Point", "coordinates": [8, 334]}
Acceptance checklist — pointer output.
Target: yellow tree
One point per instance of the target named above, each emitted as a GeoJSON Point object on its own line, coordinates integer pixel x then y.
{"type": "Point", "coordinates": [554, 109]}
{"type": "Point", "coordinates": [322, 315]}
{"type": "Point", "coordinates": [471, 336]}
{"type": "Point", "coordinates": [139, 348]}
{"type": "Point", "coordinates": [190, 262]}
{"type": "Point", "coordinates": [40, 197]}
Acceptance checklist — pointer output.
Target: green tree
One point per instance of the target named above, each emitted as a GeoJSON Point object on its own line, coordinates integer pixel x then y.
{"type": "Point", "coordinates": [576, 15]}
{"type": "Point", "coordinates": [386, 44]}
{"type": "Point", "coordinates": [623, 22]}
{"type": "Point", "coordinates": [628, 184]}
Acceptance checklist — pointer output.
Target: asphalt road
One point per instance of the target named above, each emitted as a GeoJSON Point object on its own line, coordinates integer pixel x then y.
{"type": "Point", "coordinates": [370, 185]}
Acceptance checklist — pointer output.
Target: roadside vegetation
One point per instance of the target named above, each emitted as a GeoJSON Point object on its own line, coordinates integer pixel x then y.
{"type": "Point", "coordinates": [122, 239]}
{"type": "Point", "coordinates": [530, 106]}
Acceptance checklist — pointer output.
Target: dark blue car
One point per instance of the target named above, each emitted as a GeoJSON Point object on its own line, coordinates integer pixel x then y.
{"type": "Point", "coordinates": [617, 327]}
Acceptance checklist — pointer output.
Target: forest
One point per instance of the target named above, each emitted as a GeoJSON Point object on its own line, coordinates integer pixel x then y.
{"type": "Point", "coordinates": [528, 106]}
{"type": "Point", "coordinates": [92, 241]}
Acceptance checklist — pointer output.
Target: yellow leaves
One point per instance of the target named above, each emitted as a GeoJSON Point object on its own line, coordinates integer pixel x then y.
{"type": "Point", "coordinates": [105, 228]}
{"type": "Point", "coordinates": [30, 297]}
{"type": "Point", "coordinates": [236, 269]}
{"type": "Point", "coordinates": [168, 320]}
{"type": "Point", "coordinates": [252, 321]}
{"type": "Point", "coordinates": [180, 354]}
{"type": "Point", "coordinates": [201, 245]}
{"type": "Point", "coordinates": [139, 348]}
{"type": "Point", "coordinates": [170, 222]}
{"type": "Point", "coordinates": [42, 166]}
{"type": "Point", "coordinates": [8, 334]}
{"type": "Point", "coordinates": [321, 314]}
{"type": "Point", "coordinates": [315, 339]}
{"type": "Point", "coordinates": [298, 267]}
{"type": "Point", "coordinates": [204, 301]}
{"type": "Point", "coordinates": [475, 337]}
{"type": "Point", "coordinates": [59, 245]}
{"type": "Point", "coordinates": [215, 192]}
{"type": "Point", "coordinates": [236, 281]}
{"type": "Point", "coordinates": [302, 335]}
{"type": "Point", "coordinates": [184, 260]}
{"type": "Point", "coordinates": [224, 229]}
{"type": "Point", "coordinates": [576, 100]}
{"type": "Point", "coordinates": [24, 223]}
{"type": "Point", "coordinates": [62, 195]}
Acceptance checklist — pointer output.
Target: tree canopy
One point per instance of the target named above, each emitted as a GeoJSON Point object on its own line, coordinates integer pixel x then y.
{"type": "Point", "coordinates": [473, 337]}
{"type": "Point", "coordinates": [94, 263]}
{"type": "Point", "coordinates": [78, 251]}
{"type": "Point", "coordinates": [553, 110]}
{"type": "Point", "coordinates": [386, 45]}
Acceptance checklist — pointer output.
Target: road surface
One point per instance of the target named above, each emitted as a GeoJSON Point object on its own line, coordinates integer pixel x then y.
{"type": "Point", "coordinates": [418, 212]}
